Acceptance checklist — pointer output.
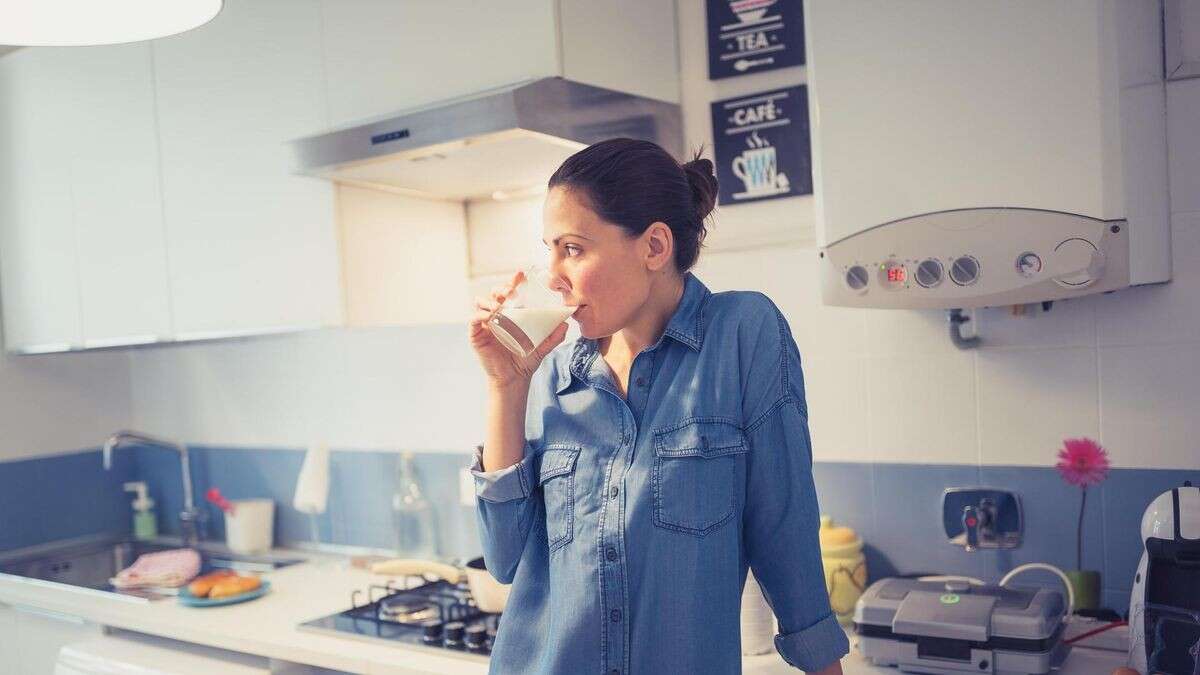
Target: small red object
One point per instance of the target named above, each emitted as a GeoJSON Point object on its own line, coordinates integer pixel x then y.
{"type": "Point", "coordinates": [971, 522]}
{"type": "Point", "coordinates": [214, 495]}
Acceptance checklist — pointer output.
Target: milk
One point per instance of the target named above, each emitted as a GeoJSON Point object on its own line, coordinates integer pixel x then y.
{"type": "Point", "coordinates": [522, 329]}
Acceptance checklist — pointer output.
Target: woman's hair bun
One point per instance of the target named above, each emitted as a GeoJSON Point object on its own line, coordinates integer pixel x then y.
{"type": "Point", "coordinates": [701, 177]}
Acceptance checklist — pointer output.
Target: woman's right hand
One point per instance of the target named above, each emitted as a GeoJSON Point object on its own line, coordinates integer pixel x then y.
{"type": "Point", "coordinates": [504, 368]}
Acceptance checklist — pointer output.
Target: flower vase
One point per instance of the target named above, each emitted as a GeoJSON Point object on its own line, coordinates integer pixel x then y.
{"type": "Point", "coordinates": [1086, 585]}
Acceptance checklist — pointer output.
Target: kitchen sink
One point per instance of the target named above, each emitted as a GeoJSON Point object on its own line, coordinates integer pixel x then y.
{"type": "Point", "coordinates": [88, 563]}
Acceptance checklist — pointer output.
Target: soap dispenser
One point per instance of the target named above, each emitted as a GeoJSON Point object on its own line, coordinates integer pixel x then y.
{"type": "Point", "coordinates": [145, 526]}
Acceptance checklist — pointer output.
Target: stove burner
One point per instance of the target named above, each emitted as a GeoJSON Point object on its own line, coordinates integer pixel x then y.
{"type": "Point", "coordinates": [404, 610]}
{"type": "Point", "coordinates": [435, 615]}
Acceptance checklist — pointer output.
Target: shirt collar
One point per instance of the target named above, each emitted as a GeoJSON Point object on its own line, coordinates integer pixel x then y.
{"type": "Point", "coordinates": [686, 326]}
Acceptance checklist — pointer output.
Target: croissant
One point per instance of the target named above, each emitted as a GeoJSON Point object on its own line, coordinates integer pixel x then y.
{"type": "Point", "coordinates": [202, 585]}
{"type": "Point", "coordinates": [234, 585]}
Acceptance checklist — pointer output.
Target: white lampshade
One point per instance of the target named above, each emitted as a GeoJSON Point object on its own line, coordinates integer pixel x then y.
{"type": "Point", "coordinates": [69, 23]}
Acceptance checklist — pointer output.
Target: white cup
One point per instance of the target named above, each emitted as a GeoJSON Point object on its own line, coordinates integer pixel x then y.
{"type": "Point", "coordinates": [250, 528]}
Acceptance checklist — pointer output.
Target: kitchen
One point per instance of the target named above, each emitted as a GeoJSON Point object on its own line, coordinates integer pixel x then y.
{"type": "Point", "coordinates": [169, 264]}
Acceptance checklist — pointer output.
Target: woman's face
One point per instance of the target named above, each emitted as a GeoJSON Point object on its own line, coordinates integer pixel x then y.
{"type": "Point", "coordinates": [594, 264]}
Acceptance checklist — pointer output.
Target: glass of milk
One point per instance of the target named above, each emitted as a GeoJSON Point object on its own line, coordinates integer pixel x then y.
{"type": "Point", "coordinates": [530, 314]}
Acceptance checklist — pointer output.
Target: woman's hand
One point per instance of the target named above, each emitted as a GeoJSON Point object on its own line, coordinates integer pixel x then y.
{"type": "Point", "coordinates": [504, 368]}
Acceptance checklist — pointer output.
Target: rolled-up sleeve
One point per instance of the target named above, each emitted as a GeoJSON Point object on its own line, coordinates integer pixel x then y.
{"type": "Point", "coordinates": [781, 522]}
{"type": "Point", "coordinates": [505, 512]}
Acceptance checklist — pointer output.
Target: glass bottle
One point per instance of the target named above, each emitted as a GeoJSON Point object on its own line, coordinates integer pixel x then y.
{"type": "Point", "coordinates": [413, 524]}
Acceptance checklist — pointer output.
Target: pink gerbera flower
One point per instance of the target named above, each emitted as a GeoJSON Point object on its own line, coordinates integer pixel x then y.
{"type": "Point", "coordinates": [1082, 462]}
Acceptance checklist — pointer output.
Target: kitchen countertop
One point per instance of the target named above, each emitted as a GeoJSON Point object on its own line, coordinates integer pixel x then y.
{"type": "Point", "coordinates": [268, 626]}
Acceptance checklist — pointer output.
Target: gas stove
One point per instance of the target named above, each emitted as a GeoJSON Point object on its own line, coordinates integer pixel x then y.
{"type": "Point", "coordinates": [436, 615]}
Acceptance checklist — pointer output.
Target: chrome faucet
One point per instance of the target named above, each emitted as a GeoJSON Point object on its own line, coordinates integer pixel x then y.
{"type": "Point", "coordinates": [189, 517]}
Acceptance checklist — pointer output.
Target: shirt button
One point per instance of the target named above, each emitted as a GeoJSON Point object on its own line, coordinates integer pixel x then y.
{"type": "Point", "coordinates": [612, 554]}
{"type": "Point", "coordinates": [641, 382]}
{"type": "Point", "coordinates": [613, 492]}
{"type": "Point", "coordinates": [616, 615]}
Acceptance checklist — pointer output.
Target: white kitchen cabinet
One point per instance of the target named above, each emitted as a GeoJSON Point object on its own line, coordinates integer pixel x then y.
{"type": "Point", "coordinates": [251, 247]}
{"type": "Point", "coordinates": [114, 179]}
{"type": "Point", "coordinates": [81, 237]}
{"type": "Point", "coordinates": [383, 56]}
{"type": "Point", "coordinates": [38, 274]}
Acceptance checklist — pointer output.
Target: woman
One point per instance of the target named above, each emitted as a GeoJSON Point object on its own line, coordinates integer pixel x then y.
{"type": "Point", "coordinates": [628, 478]}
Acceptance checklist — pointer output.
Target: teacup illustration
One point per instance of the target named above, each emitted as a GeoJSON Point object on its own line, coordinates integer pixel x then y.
{"type": "Point", "coordinates": [749, 11]}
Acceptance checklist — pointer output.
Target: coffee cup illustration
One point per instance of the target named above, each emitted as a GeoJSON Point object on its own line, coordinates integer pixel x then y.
{"type": "Point", "coordinates": [756, 168]}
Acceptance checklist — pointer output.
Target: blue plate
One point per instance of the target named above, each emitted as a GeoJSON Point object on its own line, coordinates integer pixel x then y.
{"type": "Point", "coordinates": [186, 597]}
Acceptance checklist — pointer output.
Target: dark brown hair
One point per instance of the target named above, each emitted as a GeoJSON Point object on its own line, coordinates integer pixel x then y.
{"type": "Point", "coordinates": [634, 183]}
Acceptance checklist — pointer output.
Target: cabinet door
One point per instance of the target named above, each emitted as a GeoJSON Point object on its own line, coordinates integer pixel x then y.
{"type": "Point", "coordinates": [41, 633]}
{"type": "Point", "coordinates": [114, 178]}
{"type": "Point", "coordinates": [38, 274]}
{"type": "Point", "coordinates": [251, 247]}
{"type": "Point", "coordinates": [382, 56]}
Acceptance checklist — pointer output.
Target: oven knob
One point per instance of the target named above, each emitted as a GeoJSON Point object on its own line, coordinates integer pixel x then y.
{"type": "Point", "coordinates": [454, 634]}
{"type": "Point", "coordinates": [432, 631]}
{"type": "Point", "coordinates": [476, 635]}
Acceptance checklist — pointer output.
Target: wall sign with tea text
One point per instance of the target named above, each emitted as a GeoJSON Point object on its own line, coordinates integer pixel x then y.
{"type": "Point", "coordinates": [761, 146]}
{"type": "Point", "coordinates": [749, 36]}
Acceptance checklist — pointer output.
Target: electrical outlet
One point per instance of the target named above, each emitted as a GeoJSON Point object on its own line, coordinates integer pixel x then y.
{"type": "Point", "coordinates": [466, 488]}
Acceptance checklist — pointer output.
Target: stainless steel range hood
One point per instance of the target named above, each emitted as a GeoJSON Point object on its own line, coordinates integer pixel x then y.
{"type": "Point", "coordinates": [504, 141]}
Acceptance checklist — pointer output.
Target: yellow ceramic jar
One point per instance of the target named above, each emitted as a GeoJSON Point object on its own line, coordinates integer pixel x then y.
{"type": "Point", "coordinates": [845, 567]}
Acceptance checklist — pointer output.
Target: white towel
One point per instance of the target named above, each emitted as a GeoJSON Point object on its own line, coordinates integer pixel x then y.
{"type": "Point", "coordinates": [312, 487]}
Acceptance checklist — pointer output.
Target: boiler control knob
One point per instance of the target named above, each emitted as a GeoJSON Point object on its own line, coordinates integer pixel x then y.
{"type": "Point", "coordinates": [1076, 263]}
{"type": "Point", "coordinates": [857, 278]}
{"type": "Point", "coordinates": [965, 270]}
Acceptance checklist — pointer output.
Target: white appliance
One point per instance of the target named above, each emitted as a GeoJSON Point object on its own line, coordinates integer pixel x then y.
{"type": "Point", "coordinates": [970, 154]}
{"type": "Point", "coordinates": [125, 652]}
{"type": "Point", "coordinates": [1164, 607]}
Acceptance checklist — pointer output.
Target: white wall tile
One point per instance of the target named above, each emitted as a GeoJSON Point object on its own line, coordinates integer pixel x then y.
{"type": "Point", "coordinates": [1148, 405]}
{"type": "Point", "coordinates": [1159, 313]}
{"type": "Point", "coordinates": [922, 409]}
{"type": "Point", "coordinates": [1030, 400]}
{"type": "Point", "coordinates": [836, 392]}
{"type": "Point", "coordinates": [787, 275]}
{"type": "Point", "coordinates": [1068, 323]}
{"type": "Point", "coordinates": [413, 389]}
{"type": "Point", "coordinates": [58, 403]}
{"type": "Point", "coordinates": [1183, 143]}
{"type": "Point", "coordinates": [903, 332]}
{"type": "Point", "coordinates": [276, 391]}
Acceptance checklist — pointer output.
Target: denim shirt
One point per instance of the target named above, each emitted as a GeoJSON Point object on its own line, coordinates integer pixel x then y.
{"type": "Point", "coordinates": [627, 529]}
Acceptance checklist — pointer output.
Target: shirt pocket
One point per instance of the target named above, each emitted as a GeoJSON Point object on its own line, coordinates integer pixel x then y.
{"type": "Point", "coordinates": [695, 469]}
{"type": "Point", "coordinates": [557, 480]}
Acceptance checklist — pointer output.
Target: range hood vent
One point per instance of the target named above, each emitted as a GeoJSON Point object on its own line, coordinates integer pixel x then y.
{"type": "Point", "coordinates": [504, 141]}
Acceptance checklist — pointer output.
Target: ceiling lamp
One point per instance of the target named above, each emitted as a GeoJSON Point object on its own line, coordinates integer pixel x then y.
{"type": "Point", "coordinates": [70, 23]}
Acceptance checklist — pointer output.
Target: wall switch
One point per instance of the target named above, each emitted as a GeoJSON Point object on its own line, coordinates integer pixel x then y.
{"type": "Point", "coordinates": [466, 488]}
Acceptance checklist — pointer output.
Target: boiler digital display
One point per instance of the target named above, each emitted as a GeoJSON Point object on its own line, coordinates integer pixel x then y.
{"type": "Point", "coordinates": [893, 274]}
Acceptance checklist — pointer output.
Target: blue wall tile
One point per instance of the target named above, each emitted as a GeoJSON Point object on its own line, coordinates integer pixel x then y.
{"type": "Point", "coordinates": [63, 496]}
{"type": "Point", "coordinates": [908, 520]}
{"type": "Point", "coordinates": [1127, 493]}
{"type": "Point", "coordinates": [895, 508]}
{"type": "Point", "coordinates": [1051, 511]}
